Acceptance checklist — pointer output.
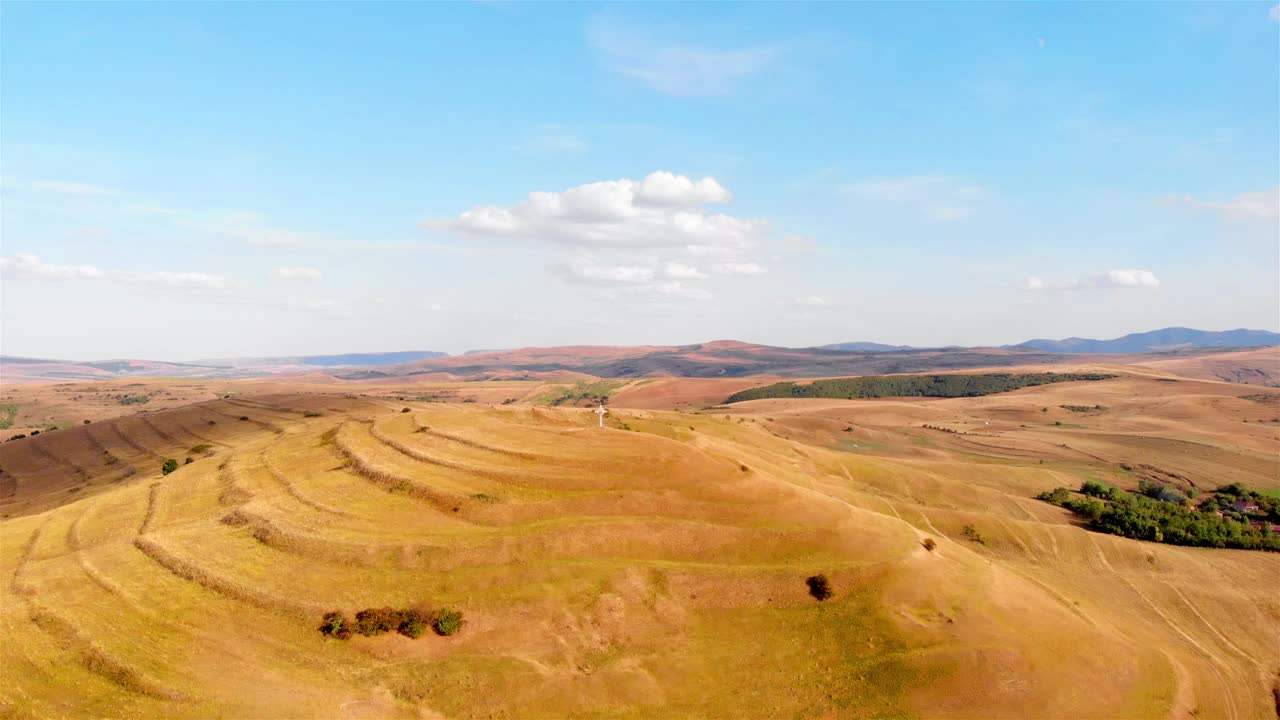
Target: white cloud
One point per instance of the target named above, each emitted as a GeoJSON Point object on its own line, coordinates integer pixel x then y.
{"type": "Point", "coordinates": [937, 198]}
{"type": "Point", "coordinates": [71, 188]}
{"type": "Point", "coordinates": [299, 273]}
{"type": "Point", "coordinates": [683, 71]}
{"type": "Point", "coordinates": [174, 280]}
{"type": "Point", "coordinates": [661, 210]}
{"type": "Point", "coordinates": [1106, 280]}
{"type": "Point", "coordinates": [667, 188]}
{"type": "Point", "coordinates": [31, 266]}
{"type": "Point", "coordinates": [1274, 14]}
{"type": "Point", "coordinates": [680, 271]}
{"type": "Point", "coordinates": [811, 301]}
{"type": "Point", "coordinates": [1040, 42]}
{"type": "Point", "coordinates": [1261, 206]}
{"type": "Point", "coordinates": [738, 268]}
{"type": "Point", "coordinates": [590, 270]}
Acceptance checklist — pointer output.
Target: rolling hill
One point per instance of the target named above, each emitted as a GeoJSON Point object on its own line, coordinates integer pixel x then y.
{"type": "Point", "coordinates": [654, 568]}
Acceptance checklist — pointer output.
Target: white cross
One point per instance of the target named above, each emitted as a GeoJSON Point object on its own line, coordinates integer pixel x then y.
{"type": "Point", "coordinates": [601, 412]}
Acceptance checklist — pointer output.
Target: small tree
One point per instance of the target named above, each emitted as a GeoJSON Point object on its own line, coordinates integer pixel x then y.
{"type": "Point", "coordinates": [929, 544]}
{"type": "Point", "coordinates": [336, 625]}
{"type": "Point", "coordinates": [447, 621]}
{"type": "Point", "coordinates": [819, 587]}
{"type": "Point", "coordinates": [169, 466]}
{"type": "Point", "coordinates": [413, 623]}
{"type": "Point", "coordinates": [973, 534]}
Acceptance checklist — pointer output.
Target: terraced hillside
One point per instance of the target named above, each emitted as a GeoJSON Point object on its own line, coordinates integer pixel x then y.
{"type": "Point", "coordinates": [656, 567]}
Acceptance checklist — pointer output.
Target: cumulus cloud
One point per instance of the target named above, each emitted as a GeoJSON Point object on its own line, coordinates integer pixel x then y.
{"type": "Point", "coordinates": [937, 198]}
{"type": "Point", "coordinates": [635, 279]}
{"type": "Point", "coordinates": [71, 188]}
{"type": "Point", "coordinates": [811, 301]}
{"type": "Point", "coordinates": [299, 273]}
{"type": "Point", "coordinates": [1106, 280]}
{"type": "Point", "coordinates": [654, 235]}
{"type": "Point", "coordinates": [683, 71]}
{"type": "Point", "coordinates": [661, 210]}
{"type": "Point", "coordinates": [1261, 206]}
{"type": "Point", "coordinates": [31, 266]}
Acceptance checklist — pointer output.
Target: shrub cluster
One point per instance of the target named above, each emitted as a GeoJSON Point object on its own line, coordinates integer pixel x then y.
{"type": "Point", "coordinates": [875, 386]}
{"type": "Point", "coordinates": [411, 622]}
{"type": "Point", "coordinates": [973, 534]}
{"type": "Point", "coordinates": [169, 466]}
{"type": "Point", "coordinates": [1232, 517]}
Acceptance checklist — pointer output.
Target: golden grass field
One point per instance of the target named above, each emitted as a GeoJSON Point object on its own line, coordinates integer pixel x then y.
{"type": "Point", "coordinates": [654, 568]}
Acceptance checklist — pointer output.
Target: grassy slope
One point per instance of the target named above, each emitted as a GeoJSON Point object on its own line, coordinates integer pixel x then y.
{"type": "Point", "coordinates": [644, 573]}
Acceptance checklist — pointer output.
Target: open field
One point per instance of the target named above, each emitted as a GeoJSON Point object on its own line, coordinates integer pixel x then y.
{"type": "Point", "coordinates": [655, 568]}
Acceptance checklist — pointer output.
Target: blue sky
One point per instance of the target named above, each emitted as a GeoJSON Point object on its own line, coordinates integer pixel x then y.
{"type": "Point", "coordinates": [208, 180]}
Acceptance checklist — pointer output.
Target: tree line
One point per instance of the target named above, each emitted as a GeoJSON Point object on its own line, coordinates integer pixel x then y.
{"type": "Point", "coordinates": [943, 386]}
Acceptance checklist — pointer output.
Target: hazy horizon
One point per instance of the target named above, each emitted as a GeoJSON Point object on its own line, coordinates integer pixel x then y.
{"type": "Point", "coordinates": [449, 176]}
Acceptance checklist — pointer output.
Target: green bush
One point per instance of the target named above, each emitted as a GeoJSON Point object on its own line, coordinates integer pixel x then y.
{"type": "Point", "coordinates": [376, 621]}
{"type": "Point", "coordinates": [413, 623]}
{"type": "Point", "coordinates": [447, 622]}
{"type": "Point", "coordinates": [169, 466]}
{"type": "Point", "coordinates": [972, 533]}
{"type": "Point", "coordinates": [819, 587]}
{"type": "Point", "coordinates": [1057, 496]}
{"type": "Point", "coordinates": [336, 625]}
{"type": "Point", "coordinates": [311, 413]}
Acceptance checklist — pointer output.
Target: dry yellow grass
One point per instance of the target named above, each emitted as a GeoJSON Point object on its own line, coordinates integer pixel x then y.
{"type": "Point", "coordinates": [651, 569]}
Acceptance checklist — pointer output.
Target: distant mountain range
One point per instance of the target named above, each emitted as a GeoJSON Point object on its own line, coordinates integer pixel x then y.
{"type": "Point", "coordinates": [346, 359]}
{"type": "Point", "coordinates": [22, 369]}
{"type": "Point", "coordinates": [1165, 340]}
{"type": "Point", "coordinates": [723, 358]}
{"type": "Point", "coordinates": [865, 347]}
